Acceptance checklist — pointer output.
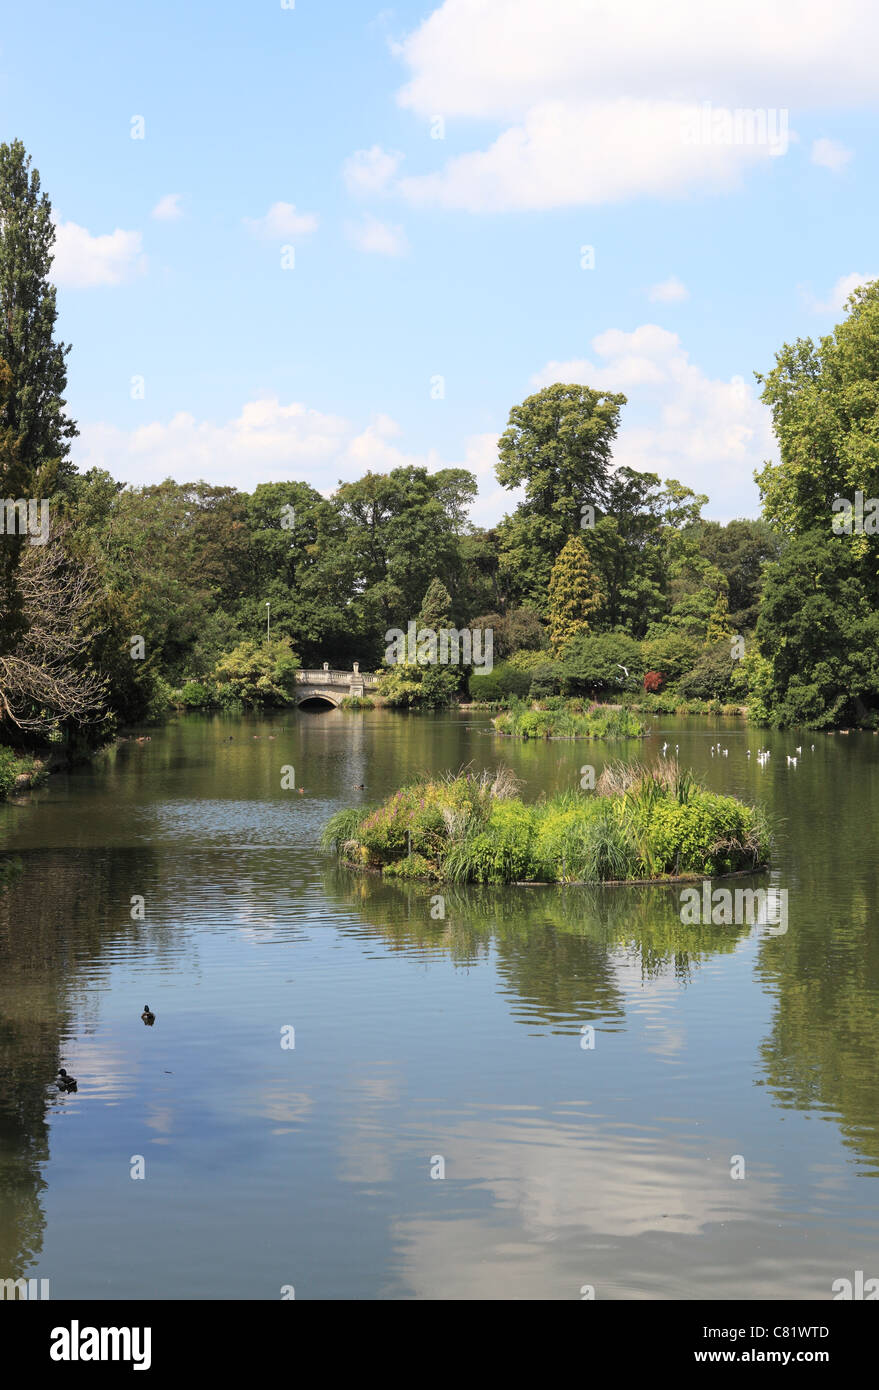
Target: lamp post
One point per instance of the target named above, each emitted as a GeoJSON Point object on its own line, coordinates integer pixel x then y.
{"type": "Point", "coordinates": [268, 622]}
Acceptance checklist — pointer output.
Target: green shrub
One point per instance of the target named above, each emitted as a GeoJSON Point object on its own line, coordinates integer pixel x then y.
{"type": "Point", "coordinates": [641, 823]}
{"type": "Point", "coordinates": [195, 695]}
{"type": "Point", "coordinates": [9, 770]}
{"type": "Point", "coordinates": [499, 684]}
{"type": "Point", "coordinates": [257, 673]}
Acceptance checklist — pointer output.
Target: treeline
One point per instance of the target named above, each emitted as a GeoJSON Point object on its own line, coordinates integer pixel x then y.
{"type": "Point", "coordinates": [599, 580]}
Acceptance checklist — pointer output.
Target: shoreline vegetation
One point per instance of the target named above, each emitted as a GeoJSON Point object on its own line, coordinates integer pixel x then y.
{"type": "Point", "coordinates": [641, 824]}
{"type": "Point", "coordinates": [568, 719]}
{"type": "Point", "coordinates": [19, 772]}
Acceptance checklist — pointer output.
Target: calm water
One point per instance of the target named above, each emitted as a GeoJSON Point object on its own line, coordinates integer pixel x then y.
{"type": "Point", "coordinates": [418, 1038]}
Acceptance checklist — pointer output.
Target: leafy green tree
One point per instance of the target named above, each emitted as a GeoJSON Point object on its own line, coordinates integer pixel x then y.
{"type": "Point", "coordinates": [396, 528]}
{"type": "Point", "coordinates": [520, 630]}
{"type": "Point", "coordinates": [670, 650]}
{"type": "Point", "coordinates": [633, 543]}
{"type": "Point", "coordinates": [711, 675]}
{"type": "Point", "coordinates": [573, 595]}
{"type": "Point", "coordinates": [557, 445]}
{"type": "Point", "coordinates": [33, 408]}
{"type": "Point", "coordinates": [820, 632]}
{"type": "Point", "coordinates": [740, 550]}
{"type": "Point", "coordinates": [825, 412]}
{"type": "Point", "coordinates": [258, 673]}
{"type": "Point", "coordinates": [602, 662]}
{"type": "Point", "coordinates": [414, 684]}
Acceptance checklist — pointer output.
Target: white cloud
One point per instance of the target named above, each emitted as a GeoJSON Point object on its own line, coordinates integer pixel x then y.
{"type": "Point", "coordinates": [586, 98]}
{"type": "Point", "coordinates": [370, 171]}
{"type": "Point", "coordinates": [670, 291]}
{"type": "Point", "coordinates": [168, 208]}
{"type": "Point", "coordinates": [496, 58]}
{"type": "Point", "coordinates": [282, 220]}
{"type": "Point", "coordinates": [570, 153]}
{"type": "Point", "coordinates": [380, 238]}
{"type": "Point", "coordinates": [83, 261]}
{"type": "Point", "coordinates": [679, 422]}
{"type": "Point", "coordinates": [836, 299]}
{"type": "Point", "coordinates": [831, 155]}
{"type": "Point", "coordinates": [267, 442]}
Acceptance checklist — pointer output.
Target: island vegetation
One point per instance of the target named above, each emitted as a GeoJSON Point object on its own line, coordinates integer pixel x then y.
{"type": "Point", "coordinates": [640, 823]}
{"type": "Point", "coordinates": [559, 718]}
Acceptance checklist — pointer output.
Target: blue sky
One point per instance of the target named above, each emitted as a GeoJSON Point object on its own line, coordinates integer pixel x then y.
{"type": "Point", "coordinates": [416, 257]}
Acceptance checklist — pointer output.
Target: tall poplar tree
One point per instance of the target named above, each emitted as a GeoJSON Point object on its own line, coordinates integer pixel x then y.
{"type": "Point", "coordinates": [33, 407]}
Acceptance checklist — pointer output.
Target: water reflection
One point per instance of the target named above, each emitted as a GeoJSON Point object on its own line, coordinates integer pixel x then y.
{"type": "Point", "coordinates": [417, 1036]}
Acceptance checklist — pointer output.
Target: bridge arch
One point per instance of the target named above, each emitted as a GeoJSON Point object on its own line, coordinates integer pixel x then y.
{"type": "Point", "coordinates": [315, 699]}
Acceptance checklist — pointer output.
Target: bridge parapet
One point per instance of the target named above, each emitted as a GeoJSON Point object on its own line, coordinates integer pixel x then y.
{"type": "Point", "coordinates": [333, 686]}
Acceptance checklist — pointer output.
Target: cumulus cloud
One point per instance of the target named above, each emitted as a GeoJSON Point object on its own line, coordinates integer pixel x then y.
{"type": "Point", "coordinates": [281, 220]}
{"type": "Point", "coordinates": [831, 155]}
{"type": "Point", "coordinates": [370, 171]}
{"type": "Point", "coordinates": [708, 432]}
{"type": "Point", "coordinates": [670, 291]}
{"type": "Point", "coordinates": [587, 99]}
{"type": "Point", "coordinates": [495, 58]}
{"type": "Point", "coordinates": [568, 154]}
{"type": "Point", "coordinates": [83, 261]}
{"type": "Point", "coordinates": [168, 208]}
{"type": "Point", "coordinates": [377, 238]}
{"type": "Point", "coordinates": [269, 441]}
{"type": "Point", "coordinates": [835, 301]}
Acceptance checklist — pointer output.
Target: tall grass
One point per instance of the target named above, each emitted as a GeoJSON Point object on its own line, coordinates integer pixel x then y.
{"type": "Point", "coordinates": [472, 827]}
{"type": "Point", "coordinates": [567, 719]}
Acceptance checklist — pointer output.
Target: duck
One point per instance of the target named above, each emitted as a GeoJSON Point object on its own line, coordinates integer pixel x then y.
{"type": "Point", "coordinates": [65, 1082]}
{"type": "Point", "coordinates": [301, 791]}
{"type": "Point", "coordinates": [148, 1016]}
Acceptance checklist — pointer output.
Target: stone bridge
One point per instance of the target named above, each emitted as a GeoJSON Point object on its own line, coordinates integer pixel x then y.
{"type": "Point", "coordinates": [331, 687]}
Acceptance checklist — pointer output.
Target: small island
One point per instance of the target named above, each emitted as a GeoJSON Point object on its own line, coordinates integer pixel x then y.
{"type": "Point", "coordinates": [561, 718]}
{"type": "Point", "coordinates": [639, 824]}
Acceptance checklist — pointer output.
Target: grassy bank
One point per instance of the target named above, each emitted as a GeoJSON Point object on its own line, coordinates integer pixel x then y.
{"type": "Point", "coordinates": [19, 771]}
{"type": "Point", "coordinates": [557, 718]}
{"type": "Point", "coordinates": [639, 823]}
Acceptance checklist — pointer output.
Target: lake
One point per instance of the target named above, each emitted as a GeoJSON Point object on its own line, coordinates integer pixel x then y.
{"type": "Point", "coordinates": [436, 1124]}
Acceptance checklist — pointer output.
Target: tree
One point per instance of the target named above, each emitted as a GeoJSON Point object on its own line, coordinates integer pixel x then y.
{"type": "Point", "coordinates": [632, 544]}
{"type": "Point", "coordinates": [50, 680]}
{"type": "Point", "coordinates": [557, 445]}
{"type": "Point", "coordinates": [573, 595]}
{"type": "Point", "coordinates": [740, 550]}
{"type": "Point", "coordinates": [820, 633]}
{"type": "Point", "coordinates": [602, 661]}
{"type": "Point", "coordinates": [397, 527]}
{"type": "Point", "coordinates": [34, 407]}
{"type": "Point", "coordinates": [13, 483]}
{"type": "Point", "coordinates": [258, 673]}
{"type": "Point", "coordinates": [825, 412]}
{"type": "Point", "coordinates": [435, 607]}
{"type": "Point", "coordinates": [718, 628]}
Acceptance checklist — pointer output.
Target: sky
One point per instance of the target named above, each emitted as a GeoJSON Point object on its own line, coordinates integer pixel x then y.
{"type": "Point", "coordinates": [304, 240]}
